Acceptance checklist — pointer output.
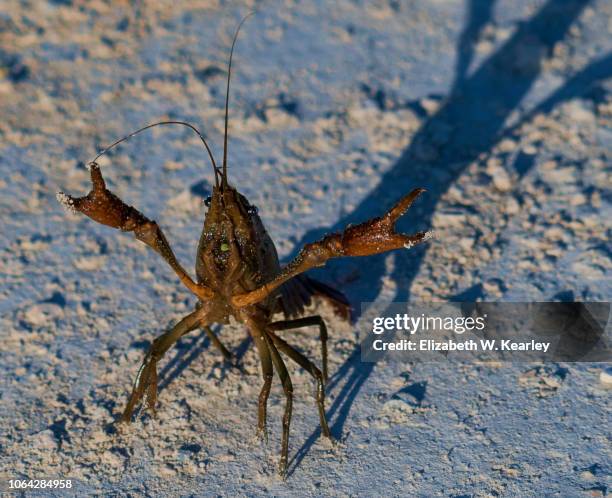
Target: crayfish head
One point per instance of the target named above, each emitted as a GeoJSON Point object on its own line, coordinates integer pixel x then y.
{"type": "Point", "coordinates": [234, 248]}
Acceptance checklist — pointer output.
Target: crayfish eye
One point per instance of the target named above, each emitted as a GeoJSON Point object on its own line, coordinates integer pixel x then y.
{"type": "Point", "coordinates": [208, 201]}
{"type": "Point", "coordinates": [252, 210]}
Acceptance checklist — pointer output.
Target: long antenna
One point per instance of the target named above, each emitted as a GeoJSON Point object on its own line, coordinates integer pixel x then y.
{"type": "Point", "coordinates": [182, 123]}
{"type": "Point", "coordinates": [229, 74]}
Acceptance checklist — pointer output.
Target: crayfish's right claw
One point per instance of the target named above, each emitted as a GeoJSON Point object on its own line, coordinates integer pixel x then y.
{"type": "Point", "coordinates": [101, 205]}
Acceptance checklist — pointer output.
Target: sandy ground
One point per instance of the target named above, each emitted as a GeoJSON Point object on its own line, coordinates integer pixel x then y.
{"type": "Point", "coordinates": [501, 109]}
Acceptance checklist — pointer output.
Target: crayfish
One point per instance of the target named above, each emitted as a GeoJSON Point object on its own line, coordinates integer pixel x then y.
{"type": "Point", "coordinates": [239, 274]}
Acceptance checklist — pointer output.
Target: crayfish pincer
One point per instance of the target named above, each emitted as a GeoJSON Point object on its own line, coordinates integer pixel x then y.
{"type": "Point", "coordinates": [238, 274]}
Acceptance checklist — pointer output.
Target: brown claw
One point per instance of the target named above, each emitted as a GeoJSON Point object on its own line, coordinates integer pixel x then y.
{"type": "Point", "coordinates": [378, 235]}
{"type": "Point", "coordinates": [103, 206]}
{"type": "Point", "coordinates": [372, 237]}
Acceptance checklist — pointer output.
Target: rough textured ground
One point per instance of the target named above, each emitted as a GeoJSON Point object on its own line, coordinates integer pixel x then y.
{"type": "Point", "coordinates": [501, 109]}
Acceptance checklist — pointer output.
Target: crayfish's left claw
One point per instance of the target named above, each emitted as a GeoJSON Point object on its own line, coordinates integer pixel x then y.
{"type": "Point", "coordinates": [372, 237]}
{"type": "Point", "coordinates": [404, 204]}
{"type": "Point", "coordinates": [378, 235]}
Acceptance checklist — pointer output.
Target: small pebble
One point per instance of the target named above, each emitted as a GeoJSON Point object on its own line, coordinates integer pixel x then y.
{"type": "Point", "coordinates": [605, 376]}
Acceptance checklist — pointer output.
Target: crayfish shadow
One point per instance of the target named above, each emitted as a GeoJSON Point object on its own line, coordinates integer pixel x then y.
{"type": "Point", "coordinates": [469, 122]}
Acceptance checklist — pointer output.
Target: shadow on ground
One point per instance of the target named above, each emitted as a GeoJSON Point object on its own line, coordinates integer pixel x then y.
{"type": "Point", "coordinates": [469, 122]}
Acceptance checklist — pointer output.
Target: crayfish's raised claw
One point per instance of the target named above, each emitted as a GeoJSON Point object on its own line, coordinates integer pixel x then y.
{"type": "Point", "coordinates": [145, 385]}
{"type": "Point", "coordinates": [378, 235]}
{"type": "Point", "coordinates": [103, 206]}
{"type": "Point", "coordinates": [371, 237]}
